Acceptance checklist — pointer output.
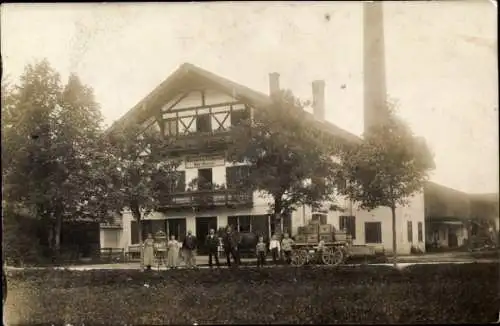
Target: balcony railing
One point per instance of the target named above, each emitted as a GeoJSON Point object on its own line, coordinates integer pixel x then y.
{"type": "Point", "coordinates": [207, 198]}
{"type": "Point", "coordinates": [198, 140]}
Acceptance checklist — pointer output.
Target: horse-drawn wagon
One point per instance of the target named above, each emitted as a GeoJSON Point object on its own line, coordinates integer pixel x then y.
{"type": "Point", "coordinates": [320, 243]}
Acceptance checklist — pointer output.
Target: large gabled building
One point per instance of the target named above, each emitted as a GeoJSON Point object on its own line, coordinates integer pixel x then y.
{"type": "Point", "coordinates": [196, 109]}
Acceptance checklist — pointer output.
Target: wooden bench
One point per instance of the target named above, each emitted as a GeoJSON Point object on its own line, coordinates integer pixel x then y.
{"type": "Point", "coordinates": [112, 254]}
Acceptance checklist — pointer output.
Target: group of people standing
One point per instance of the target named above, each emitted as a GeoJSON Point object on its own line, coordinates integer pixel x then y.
{"type": "Point", "coordinates": [279, 249]}
{"type": "Point", "coordinates": [174, 252]}
{"type": "Point", "coordinates": [187, 249]}
{"type": "Point", "coordinates": [230, 243]}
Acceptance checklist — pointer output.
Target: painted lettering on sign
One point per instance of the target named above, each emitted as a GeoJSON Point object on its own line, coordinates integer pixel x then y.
{"type": "Point", "coordinates": [204, 162]}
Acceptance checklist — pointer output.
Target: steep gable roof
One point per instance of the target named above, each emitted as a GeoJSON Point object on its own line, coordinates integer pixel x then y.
{"type": "Point", "coordinates": [140, 111]}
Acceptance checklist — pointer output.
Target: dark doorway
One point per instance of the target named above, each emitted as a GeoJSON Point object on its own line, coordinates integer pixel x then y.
{"type": "Point", "coordinates": [452, 239]}
{"type": "Point", "coordinates": [177, 227]}
{"type": "Point", "coordinates": [203, 225]}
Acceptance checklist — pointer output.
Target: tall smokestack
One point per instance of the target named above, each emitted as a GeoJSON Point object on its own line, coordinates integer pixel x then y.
{"type": "Point", "coordinates": [318, 90]}
{"type": "Point", "coordinates": [274, 83]}
{"type": "Point", "coordinates": [374, 64]}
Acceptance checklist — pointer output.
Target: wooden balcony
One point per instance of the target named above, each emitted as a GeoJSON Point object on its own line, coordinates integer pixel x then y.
{"type": "Point", "coordinates": [207, 199]}
{"type": "Point", "coordinates": [193, 142]}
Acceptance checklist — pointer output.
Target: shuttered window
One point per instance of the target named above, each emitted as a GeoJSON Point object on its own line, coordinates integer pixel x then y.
{"type": "Point", "coordinates": [171, 127]}
{"type": "Point", "coordinates": [420, 232]}
{"type": "Point", "coordinates": [409, 226]}
{"type": "Point", "coordinates": [236, 176]}
{"type": "Point", "coordinates": [178, 182]}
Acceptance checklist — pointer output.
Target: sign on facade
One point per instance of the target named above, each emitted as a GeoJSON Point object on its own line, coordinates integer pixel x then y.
{"type": "Point", "coordinates": [204, 161]}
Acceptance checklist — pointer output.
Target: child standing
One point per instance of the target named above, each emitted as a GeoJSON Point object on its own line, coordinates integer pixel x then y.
{"type": "Point", "coordinates": [275, 248]}
{"type": "Point", "coordinates": [286, 245]}
{"type": "Point", "coordinates": [260, 251]}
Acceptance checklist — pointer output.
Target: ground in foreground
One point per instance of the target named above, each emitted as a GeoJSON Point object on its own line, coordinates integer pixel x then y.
{"type": "Point", "coordinates": [427, 293]}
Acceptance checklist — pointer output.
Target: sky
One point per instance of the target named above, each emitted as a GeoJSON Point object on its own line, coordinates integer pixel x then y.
{"type": "Point", "coordinates": [441, 61]}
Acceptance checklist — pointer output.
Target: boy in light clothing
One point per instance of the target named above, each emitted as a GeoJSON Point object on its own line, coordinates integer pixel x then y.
{"type": "Point", "coordinates": [275, 248]}
{"type": "Point", "coordinates": [260, 250]}
{"type": "Point", "coordinates": [286, 246]}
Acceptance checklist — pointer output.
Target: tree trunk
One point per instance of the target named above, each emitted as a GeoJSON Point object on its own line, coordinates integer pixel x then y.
{"type": "Point", "coordinates": [394, 238]}
{"type": "Point", "coordinates": [56, 238]}
{"type": "Point", "coordinates": [278, 220]}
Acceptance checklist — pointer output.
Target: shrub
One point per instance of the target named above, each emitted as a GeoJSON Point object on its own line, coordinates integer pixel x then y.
{"type": "Point", "coordinates": [21, 243]}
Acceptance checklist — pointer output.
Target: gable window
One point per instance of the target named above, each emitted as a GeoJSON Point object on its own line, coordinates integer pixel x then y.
{"type": "Point", "coordinates": [420, 232]}
{"type": "Point", "coordinates": [239, 116]}
{"type": "Point", "coordinates": [373, 232]}
{"type": "Point", "coordinates": [203, 123]}
{"type": "Point", "coordinates": [348, 223]}
{"type": "Point", "coordinates": [236, 175]}
{"type": "Point", "coordinates": [409, 226]}
{"type": "Point", "coordinates": [171, 127]}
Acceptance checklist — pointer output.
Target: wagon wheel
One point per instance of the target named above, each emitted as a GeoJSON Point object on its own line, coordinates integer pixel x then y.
{"type": "Point", "coordinates": [332, 256]}
{"type": "Point", "coordinates": [299, 257]}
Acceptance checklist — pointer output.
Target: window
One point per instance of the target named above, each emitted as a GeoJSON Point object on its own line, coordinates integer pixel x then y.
{"type": "Point", "coordinates": [203, 123]}
{"type": "Point", "coordinates": [111, 239]}
{"type": "Point", "coordinates": [321, 217]}
{"type": "Point", "coordinates": [244, 224]}
{"type": "Point", "coordinates": [240, 223]}
{"type": "Point", "coordinates": [236, 175]}
{"type": "Point", "coordinates": [373, 232]}
{"type": "Point", "coordinates": [409, 226]}
{"type": "Point", "coordinates": [420, 232]}
{"type": "Point", "coordinates": [171, 127]}
{"type": "Point", "coordinates": [239, 116]}
{"type": "Point", "coordinates": [348, 223]}
{"type": "Point", "coordinates": [205, 179]}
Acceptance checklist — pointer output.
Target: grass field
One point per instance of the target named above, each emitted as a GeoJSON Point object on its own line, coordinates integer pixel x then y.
{"type": "Point", "coordinates": [465, 293]}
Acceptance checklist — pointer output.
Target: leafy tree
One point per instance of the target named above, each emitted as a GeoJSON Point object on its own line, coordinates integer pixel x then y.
{"type": "Point", "coordinates": [289, 158]}
{"type": "Point", "coordinates": [387, 168]}
{"type": "Point", "coordinates": [48, 136]}
{"type": "Point", "coordinates": [137, 175]}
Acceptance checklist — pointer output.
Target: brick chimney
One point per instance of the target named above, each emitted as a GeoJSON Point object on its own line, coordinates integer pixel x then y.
{"type": "Point", "coordinates": [318, 90]}
{"type": "Point", "coordinates": [274, 83]}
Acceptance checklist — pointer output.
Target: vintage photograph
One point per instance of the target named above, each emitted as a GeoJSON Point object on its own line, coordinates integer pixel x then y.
{"type": "Point", "coordinates": [285, 162]}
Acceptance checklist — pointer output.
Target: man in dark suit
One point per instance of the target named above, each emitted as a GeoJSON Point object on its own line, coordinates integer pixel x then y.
{"type": "Point", "coordinates": [212, 243]}
{"type": "Point", "coordinates": [189, 249]}
{"type": "Point", "coordinates": [231, 241]}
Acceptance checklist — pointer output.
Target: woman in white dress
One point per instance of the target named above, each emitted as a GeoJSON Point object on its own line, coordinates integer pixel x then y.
{"type": "Point", "coordinates": [149, 252]}
{"type": "Point", "coordinates": [173, 252]}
